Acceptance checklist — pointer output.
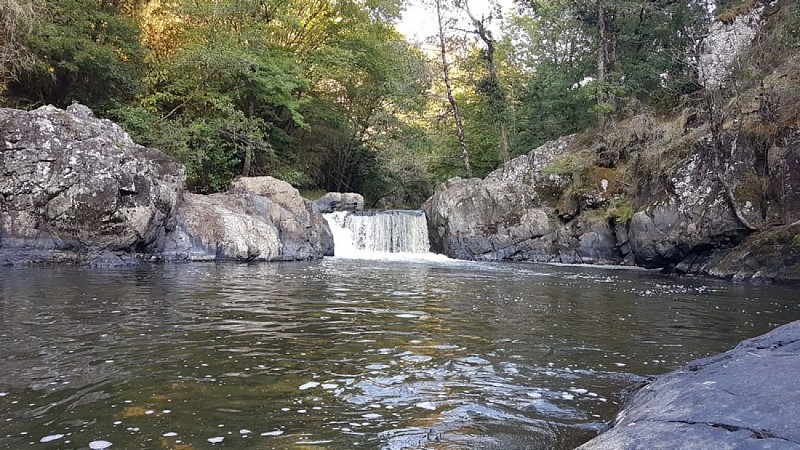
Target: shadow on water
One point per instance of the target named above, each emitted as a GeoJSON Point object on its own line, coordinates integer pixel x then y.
{"type": "Point", "coordinates": [348, 353]}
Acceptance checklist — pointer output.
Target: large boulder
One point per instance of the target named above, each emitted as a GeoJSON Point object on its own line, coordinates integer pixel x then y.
{"type": "Point", "coordinates": [77, 189]}
{"type": "Point", "coordinates": [257, 219]}
{"type": "Point", "coordinates": [747, 397]}
{"type": "Point", "coordinates": [512, 215]}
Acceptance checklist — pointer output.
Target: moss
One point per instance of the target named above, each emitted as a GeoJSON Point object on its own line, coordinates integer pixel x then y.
{"type": "Point", "coordinates": [549, 193]}
{"type": "Point", "coordinates": [571, 164]}
{"type": "Point", "coordinates": [796, 240]}
{"type": "Point", "coordinates": [749, 188]}
{"type": "Point", "coordinates": [621, 209]}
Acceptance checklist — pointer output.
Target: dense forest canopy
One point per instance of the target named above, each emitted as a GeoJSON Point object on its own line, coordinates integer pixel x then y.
{"type": "Point", "coordinates": [328, 95]}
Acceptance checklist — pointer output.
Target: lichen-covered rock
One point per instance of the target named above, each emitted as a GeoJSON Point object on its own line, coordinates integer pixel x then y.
{"type": "Point", "coordinates": [77, 189]}
{"type": "Point", "coordinates": [257, 219]}
{"type": "Point", "coordinates": [339, 201]}
{"type": "Point", "coordinates": [724, 44]}
{"type": "Point", "coordinates": [747, 397]}
{"type": "Point", "coordinates": [695, 216]}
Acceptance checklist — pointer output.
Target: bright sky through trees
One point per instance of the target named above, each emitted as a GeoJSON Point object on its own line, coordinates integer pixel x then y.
{"type": "Point", "coordinates": [419, 22]}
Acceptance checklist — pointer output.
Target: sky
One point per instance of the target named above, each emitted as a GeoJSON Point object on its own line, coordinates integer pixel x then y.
{"type": "Point", "coordinates": [419, 22]}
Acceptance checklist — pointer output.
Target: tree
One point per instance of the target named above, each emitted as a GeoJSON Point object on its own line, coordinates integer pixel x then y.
{"type": "Point", "coordinates": [17, 21]}
{"type": "Point", "coordinates": [438, 5]}
{"type": "Point", "coordinates": [490, 86]}
{"type": "Point", "coordinates": [86, 51]}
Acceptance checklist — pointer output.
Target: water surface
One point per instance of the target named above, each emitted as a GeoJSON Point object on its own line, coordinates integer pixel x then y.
{"type": "Point", "coordinates": [344, 354]}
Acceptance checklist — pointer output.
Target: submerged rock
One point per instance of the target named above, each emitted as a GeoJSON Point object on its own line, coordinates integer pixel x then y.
{"type": "Point", "coordinates": [747, 397]}
{"type": "Point", "coordinates": [76, 189]}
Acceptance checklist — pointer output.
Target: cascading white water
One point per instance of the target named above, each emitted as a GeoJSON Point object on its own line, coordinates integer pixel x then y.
{"type": "Point", "coordinates": [365, 234]}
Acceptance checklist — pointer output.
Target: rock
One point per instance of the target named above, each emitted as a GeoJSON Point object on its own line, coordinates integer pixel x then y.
{"type": "Point", "coordinates": [695, 217]}
{"type": "Point", "coordinates": [339, 201]}
{"type": "Point", "coordinates": [770, 255]}
{"type": "Point", "coordinates": [747, 397]}
{"type": "Point", "coordinates": [257, 219]}
{"type": "Point", "coordinates": [724, 44]}
{"type": "Point", "coordinates": [77, 189]}
{"type": "Point", "coordinates": [511, 216]}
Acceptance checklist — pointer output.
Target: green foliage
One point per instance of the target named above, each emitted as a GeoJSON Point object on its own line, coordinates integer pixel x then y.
{"type": "Point", "coordinates": [87, 51]}
{"type": "Point", "coordinates": [326, 95]}
{"type": "Point", "coordinates": [620, 209]}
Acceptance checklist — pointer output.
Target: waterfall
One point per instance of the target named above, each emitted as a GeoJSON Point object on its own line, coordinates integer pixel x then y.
{"type": "Point", "coordinates": [364, 233]}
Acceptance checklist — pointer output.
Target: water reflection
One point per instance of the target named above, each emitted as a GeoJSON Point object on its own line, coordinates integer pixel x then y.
{"type": "Point", "coordinates": [344, 354]}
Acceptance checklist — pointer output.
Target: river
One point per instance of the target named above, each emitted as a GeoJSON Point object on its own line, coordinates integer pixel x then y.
{"type": "Point", "coordinates": [343, 354]}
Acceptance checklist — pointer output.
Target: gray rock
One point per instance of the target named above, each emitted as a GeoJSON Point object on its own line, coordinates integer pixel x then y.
{"type": "Point", "coordinates": [257, 219]}
{"type": "Point", "coordinates": [695, 217]}
{"type": "Point", "coordinates": [510, 215]}
{"type": "Point", "coordinates": [747, 397]}
{"type": "Point", "coordinates": [77, 189]}
{"type": "Point", "coordinates": [339, 201]}
{"type": "Point", "coordinates": [723, 45]}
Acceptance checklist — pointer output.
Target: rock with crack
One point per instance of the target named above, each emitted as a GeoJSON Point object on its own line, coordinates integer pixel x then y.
{"type": "Point", "coordinates": [747, 397]}
{"type": "Point", "coordinates": [257, 219]}
{"type": "Point", "coordinates": [77, 189]}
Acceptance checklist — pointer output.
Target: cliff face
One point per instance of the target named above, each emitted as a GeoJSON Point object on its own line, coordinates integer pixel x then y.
{"type": "Point", "coordinates": [713, 191]}
{"type": "Point", "coordinates": [76, 189]}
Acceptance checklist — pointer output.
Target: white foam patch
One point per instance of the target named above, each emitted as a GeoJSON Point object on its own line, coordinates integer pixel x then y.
{"type": "Point", "coordinates": [309, 385]}
{"type": "Point", "coordinates": [216, 440]}
{"type": "Point", "coordinates": [170, 434]}
{"type": "Point", "coordinates": [99, 445]}
{"type": "Point", "coordinates": [52, 437]}
{"type": "Point", "coordinates": [371, 416]}
{"type": "Point", "coordinates": [272, 433]}
{"type": "Point", "coordinates": [329, 386]}
{"type": "Point", "coordinates": [426, 405]}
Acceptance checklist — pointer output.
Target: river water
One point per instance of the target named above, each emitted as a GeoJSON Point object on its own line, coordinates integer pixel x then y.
{"type": "Point", "coordinates": [344, 354]}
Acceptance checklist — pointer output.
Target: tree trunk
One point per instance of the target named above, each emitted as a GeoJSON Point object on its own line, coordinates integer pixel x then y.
{"type": "Point", "coordinates": [498, 99]}
{"type": "Point", "coordinates": [450, 98]}
{"type": "Point", "coordinates": [248, 160]}
{"type": "Point", "coordinates": [601, 61]}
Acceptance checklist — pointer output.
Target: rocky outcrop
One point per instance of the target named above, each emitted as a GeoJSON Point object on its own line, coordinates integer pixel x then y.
{"type": "Point", "coordinates": [257, 219]}
{"type": "Point", "coordinates": [745, 398]}
{"type": "Point", "coordinates": [515, 214]}
{"type": "Point", "coordinates": [771, 255]}
{"type": "Point", "coordinates": [699, 200]}
{"type": "Point", "coordinates": [77, 189]}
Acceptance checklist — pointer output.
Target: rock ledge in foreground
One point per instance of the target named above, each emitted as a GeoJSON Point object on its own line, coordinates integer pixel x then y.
{"type": "Point", "coordinates": [747, 397]}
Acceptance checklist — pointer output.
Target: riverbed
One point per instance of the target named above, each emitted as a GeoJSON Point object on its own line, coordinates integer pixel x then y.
{"type": "Point", "coordinates": [347, 353]}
